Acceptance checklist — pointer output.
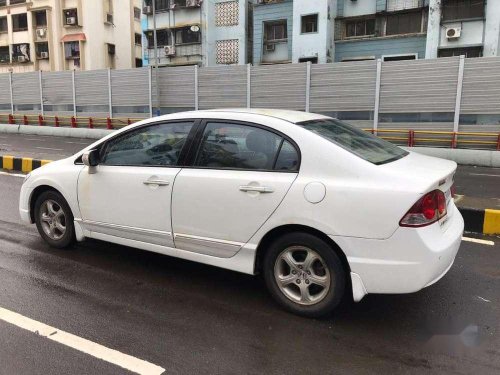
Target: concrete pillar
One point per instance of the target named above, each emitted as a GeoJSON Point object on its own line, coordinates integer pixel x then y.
{"type": "Point", "coordinates": [492, 28]}
{"type": "Point", "coordinates": [433, 29]}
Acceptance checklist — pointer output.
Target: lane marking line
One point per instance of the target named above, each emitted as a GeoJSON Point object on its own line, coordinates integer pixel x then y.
{"type": "Point", "coordinates": [48, 148]}
{"type": "Point", "coordinates": [477, 240]}
{"type": "Point", "coordinates": [457, 198]}
{"type": "Point", "coordinates": [12, 174]}
{"type": "Point", "coordinates": [484, 174]}
{"type": "Point", "coordinates": [93, 349]}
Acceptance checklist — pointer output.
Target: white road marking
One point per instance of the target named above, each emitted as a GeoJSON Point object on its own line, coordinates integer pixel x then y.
{"type": "Point", "coordinates": [477, 240]}
{"type": "Point", "coordinates": [35, 139]}
{"type": "Point", "coordinates": [12, 174]}
{"type": "Point", "coordinates": [457, 198]}
{"type": "Point", "coordinates": [4, 144]}
{"type": "Point", "coordinates": [115, 357]}
{"type": "Point", "coordinates": [77, 143]}
{"type": "Point", "coordinates": [483, 299]}
{"type": "Point", "coordinates": [48, 148]}
{"type": "Point", "coordinates": [484, 174]}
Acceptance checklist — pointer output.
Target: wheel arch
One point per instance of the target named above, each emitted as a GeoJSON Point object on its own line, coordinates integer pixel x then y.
{"type": "Point", "coordinates": [277, 232]}
{"type": "Point", "coordinates": [36, 193]}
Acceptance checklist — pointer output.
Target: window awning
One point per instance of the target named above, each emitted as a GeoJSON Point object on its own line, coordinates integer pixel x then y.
{"type": "Point", "coordinates": [74, 38]}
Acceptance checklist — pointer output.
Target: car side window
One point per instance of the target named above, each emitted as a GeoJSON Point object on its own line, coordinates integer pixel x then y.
{"type": "Point", "coordinates": [155, 145]}
{"type": "Point", "coordinates": [235, 146]}
{"type": "Point", "coordinates": [288, 158]}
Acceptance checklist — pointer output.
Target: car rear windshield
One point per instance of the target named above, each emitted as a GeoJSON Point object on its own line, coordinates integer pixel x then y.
{"type": "Point", "coordinates": [361, 143]}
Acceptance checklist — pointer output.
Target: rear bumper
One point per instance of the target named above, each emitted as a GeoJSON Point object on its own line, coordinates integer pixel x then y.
{"type": "Point", "coordinates": [408, 261]}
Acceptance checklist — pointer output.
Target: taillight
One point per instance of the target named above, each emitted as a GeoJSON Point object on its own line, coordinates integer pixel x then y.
{"type": "Point", "coordinates": [428, 209]}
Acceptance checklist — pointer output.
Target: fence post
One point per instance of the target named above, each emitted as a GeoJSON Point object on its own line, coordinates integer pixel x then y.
{"type": "Point", "coordinates": [249, 85]}
{"type": "Point", "coordinates": [41, 92]}
{"type": "Point", "coordinates": [74, 92]}
{"type": "Point", "coordinates": [110, 94]}
{"type": "Point", "coordinates": [109, 123]}
{"type": "Point", "coordinates": [73, 122]}
{"type": "Point", "coordinates": [458, 100]}
{"type": "Point", "coordinates": [11, 119]}
{"type": "Point", "coordinates": [56, 119]}
{"type": "Point", "coordinates": [11, 94]}
{"type": "Point", "coordinates": [377, 95]}
{"type": "Point", "coordinates": [196, 87]}
{"type": "Point", "coordinates": [40, 120]}
{"type": "Point", "coordinates": [498, 142]}
{"type": "Point", "coordinates": [308, 85]}
{"type": "Point", "coordinates": [91, 123]}
{"type": "Point", "coordinates": [25, 120]}
{"type": "Point", "coordinates": [150, 79]}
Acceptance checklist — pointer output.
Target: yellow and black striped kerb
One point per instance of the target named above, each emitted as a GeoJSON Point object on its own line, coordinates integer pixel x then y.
{"type": "Point", "coordinates": [481, 221]}
{"type": "Point", "coordinates": [25, 165]}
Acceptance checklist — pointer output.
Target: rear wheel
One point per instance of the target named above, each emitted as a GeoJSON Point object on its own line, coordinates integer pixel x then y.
{"type": "Point", "coordinates": [54, 219]}
{"type": "Point", "coordinates": [304, 274]}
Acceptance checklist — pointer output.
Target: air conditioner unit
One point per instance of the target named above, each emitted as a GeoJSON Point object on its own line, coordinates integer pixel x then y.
{"type": "Point", "coordinates": [111, 49]}
{"type": "Point", "coordinates": [148, 9]}
{"type": "Point", "coordinates": [170, 50]}
{"type": "Point", "coordinates": [21, 59]}
{"type": "Point", "coordinates": [109, 18]}
{"type": "Point", "coordinates": [270, 47]}
{"type": "Point", "coordinates": [44, 55]}
{"type": "Point", "coordinates": [193, 3]}
{"type": "Point", "coordinates": [453, 32]}
{"type": "Point", "coordinates": [41, 33]}
{"type": "Point", "coordinates": [70, 20]}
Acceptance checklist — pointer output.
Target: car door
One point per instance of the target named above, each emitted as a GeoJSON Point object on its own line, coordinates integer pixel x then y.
{"type": "Point", "coordinates": [128, 194]}
{"type": "Point", "coordinates": [239, 175]}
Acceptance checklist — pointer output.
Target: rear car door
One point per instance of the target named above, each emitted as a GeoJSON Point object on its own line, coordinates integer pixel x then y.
{"type": "Point", "coordinates": [239, 175]}
{"type": "Point", "coordinates": [129, 193]}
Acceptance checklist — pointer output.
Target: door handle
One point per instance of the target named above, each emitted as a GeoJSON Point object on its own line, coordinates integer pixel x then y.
{"type": "Point", "coordinates": [259, 189]}
{"type": "Point", "coordinates": [157, 182]}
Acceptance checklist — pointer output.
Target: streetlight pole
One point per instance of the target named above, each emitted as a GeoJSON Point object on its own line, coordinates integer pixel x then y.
{"type": "Point", "coordinates": [155, 42]}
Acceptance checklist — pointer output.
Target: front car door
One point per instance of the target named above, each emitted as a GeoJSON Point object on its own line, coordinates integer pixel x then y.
{"type": "Point", "coordinates": [240, 174]}
{"type": "Point", "coordinates": [129, 193]}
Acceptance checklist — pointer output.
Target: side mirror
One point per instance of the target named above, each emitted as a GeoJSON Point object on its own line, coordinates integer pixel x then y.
{"type": "Point", "coordinates": [91, 158]}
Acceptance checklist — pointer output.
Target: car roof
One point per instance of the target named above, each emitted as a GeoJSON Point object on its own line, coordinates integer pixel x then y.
{"type": "Point", "coordinates": [286, 115]}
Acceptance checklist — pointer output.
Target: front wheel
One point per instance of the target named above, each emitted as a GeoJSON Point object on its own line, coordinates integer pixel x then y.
{"type": "Point", "coordinates": [304, 274]}
{"type": "Point", "coordinates": [54, 219]}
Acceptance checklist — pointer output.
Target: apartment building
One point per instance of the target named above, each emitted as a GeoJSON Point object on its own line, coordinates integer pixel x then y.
{"type": "Point", "coordinates": [196, 32]}
{"type": "Point", "coordinates": [54, 35]}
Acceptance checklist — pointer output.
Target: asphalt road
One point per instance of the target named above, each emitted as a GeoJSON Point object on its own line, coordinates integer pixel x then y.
{"type": "Point", "coordinates": [194, 319]}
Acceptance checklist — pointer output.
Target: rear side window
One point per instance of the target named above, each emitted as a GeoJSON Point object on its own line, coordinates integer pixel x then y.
{"type": "Point", "coordinates": [155, 145]}
{"type": "Point", "coordinates": [363, 144]}
{"type": "Point", "coordinates": [235, 146]}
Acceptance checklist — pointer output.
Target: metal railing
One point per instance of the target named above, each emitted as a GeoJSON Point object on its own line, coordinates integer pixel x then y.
{"type": "Point", "coordinates": [432, 138]}
{"type": "Point", "coordinates": [68, 121]}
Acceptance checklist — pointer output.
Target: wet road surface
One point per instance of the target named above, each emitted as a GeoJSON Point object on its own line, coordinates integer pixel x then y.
{"type": "Point", "coordinates": [191, 319]}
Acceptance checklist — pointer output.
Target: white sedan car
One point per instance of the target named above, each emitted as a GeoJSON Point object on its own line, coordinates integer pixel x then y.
{"type": "Point", "coordinates": [315, 205]}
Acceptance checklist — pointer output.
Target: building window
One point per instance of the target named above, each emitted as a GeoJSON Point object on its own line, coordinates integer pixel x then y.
{"type": "Point", "coordinates": [309, 24]}
{"type": "Point", "coordinates": [4, 55]}
{"type": "Point", "coordinates": [399, 57]}
{"type": "Point", "coordinates": [42, 50]}
{"type": "Point", "coordinates": [359, 28]}
{"type": "Point", "coordinates": [70, 17]}
{"type": "Point", "coordinates": [462, 9]}
{"type": "Point", "coordinates": [227, 51]}
{"type": "Point", "coordinates": [20, 22]}
{"type": "Point", "coordinates": [21, 52]}
{"type": "Point", "coordinates": [162, 38]}
{"type": "Point", "coordinates": [466, 51]}
{"type": "Point", "coordinates": [137, 13]}
{"type": "Point", "coordinates": [12, 2]}
{"type": "Point", "coordinates": [275, 31]}
{"type": "Point", "coordinates": [2, 4]}
{"type": "Point", "coordinates": [3, 25]}
{"type": "Point", "coordinates": [138, 63]}
{"type": "Point", "coordinates": [160, 5]}
{"type": "Point", "coordinates": [41, 19]}
{"type": "Point", "coordinates": [188, 35]}
{"type": "Point", "coordinates": [72, 50]}
{"type": "Point", "coordinates": [404, 23]}
{"type": "Point", "coordinates": [138, 39]}
{"type": "Point", "coordinates": [227, 13]}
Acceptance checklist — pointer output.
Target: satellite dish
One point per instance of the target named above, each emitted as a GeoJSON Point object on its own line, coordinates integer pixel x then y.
{"type": "Point", "coordinates": [195, 28]}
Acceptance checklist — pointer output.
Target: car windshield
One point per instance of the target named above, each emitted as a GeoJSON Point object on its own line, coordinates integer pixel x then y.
{"type": "Point", "coordinates": [361, 143]}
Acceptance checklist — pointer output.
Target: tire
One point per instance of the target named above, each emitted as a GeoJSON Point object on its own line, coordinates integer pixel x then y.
{"type": "Point", "coordinates": [50, 222]}
{"type": "Point", "coordinates": [315, 289]}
